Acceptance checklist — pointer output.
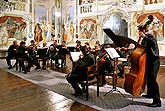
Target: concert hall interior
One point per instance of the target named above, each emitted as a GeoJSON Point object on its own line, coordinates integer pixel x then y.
{"type": "Point", "coordinates": [87, 55]}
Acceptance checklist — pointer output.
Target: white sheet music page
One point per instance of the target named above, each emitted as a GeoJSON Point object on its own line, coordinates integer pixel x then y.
{"type": "Point", "coordinates": [112, 53]}
{"type": "Point", "coordinates": [75, 55]}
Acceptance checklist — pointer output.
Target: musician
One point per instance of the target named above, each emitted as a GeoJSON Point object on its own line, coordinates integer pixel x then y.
{"type": "Point", "coordinates": [22, 55]}
{"type": "Point", "coordinates": [88, 45]}
{"type": "Point", "coordinates": [86, 60]}
{"type": "Point", "coordinates": [97, 48]}
{"type": "Point", "coordinates": [62, 51]}
{"type": "Point", "coordinates": [152, 63]}
{"type": "Point", "coordinates": [53, 50]}
{"type": "Point", "coordinates": [32, 51]}
{"type": "Point", "coordinates": [11, 53]}
{"type": "Point", "coordinates": [43, 54]}
{"type": "Point", "coordinates": [125, 53]}
{"type": "Point", "coordinates": [78, 46]}
{"type": "Point", "coordinates": [104, 64]}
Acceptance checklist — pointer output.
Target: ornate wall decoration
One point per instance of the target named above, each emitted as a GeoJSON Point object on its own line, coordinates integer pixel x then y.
{"type": "Point", "coordinates": [88, 29]}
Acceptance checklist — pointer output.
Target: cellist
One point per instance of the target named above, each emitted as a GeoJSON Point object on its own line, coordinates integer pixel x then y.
{"type": "Point", "coordinates": [152, 62]}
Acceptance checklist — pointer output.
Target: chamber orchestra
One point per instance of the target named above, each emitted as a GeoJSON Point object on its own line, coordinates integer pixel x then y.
{"type": "Point", "coordinates": [132, 54]}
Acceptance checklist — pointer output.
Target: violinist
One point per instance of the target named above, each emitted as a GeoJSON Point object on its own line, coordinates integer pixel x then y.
{"type": "Point", "coordinates": [152, 62]}
{"type": "Point", "coordinates": [53, 50]}
{"type": "Point", "coordinates": [104, 64]}
{"type": "Point", "coordinates": [11, 53]}
{"type": "Point", "coordinates": [125, 52]}
{"type": "Point", "coordinates": [85, 60]}
{"type": "Point", "coordinates": [22, 55]}
{"type": "Point", "coordinates": [61, 54]}
{"type": "Point", "coordinates": [78, 46]}
{"type": "Point", "coordinates": [32, 50]}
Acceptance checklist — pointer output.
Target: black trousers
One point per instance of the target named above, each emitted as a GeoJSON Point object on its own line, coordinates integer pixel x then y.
{"type": "Point", "coordinates": [73, 79]}
{"type": "Point", "coordinates": [8, 59]}
{"type": "Point", "coordinates": [152, 85]}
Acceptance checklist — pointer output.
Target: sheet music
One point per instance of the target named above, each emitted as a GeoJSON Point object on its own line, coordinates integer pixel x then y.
{"type": "Point", "coordinates": [75, 55]}
{"type": "Point", "coordinates": [112, 53]}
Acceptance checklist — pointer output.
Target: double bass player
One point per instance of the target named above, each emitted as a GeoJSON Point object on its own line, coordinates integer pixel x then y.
{"type": "Point", "coordinates": [152, 62]}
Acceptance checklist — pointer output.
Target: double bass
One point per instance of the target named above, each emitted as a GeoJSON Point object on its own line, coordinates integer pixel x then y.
{"type": "Point", "coordinates": [135, 79]}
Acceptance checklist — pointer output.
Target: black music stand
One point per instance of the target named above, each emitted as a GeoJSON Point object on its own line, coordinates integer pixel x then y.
{"type": "Point", "coordinates": [114, 56]}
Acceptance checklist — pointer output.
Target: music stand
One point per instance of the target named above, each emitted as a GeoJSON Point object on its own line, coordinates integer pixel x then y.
{"type": "Point", "coordinates": [114, 56]}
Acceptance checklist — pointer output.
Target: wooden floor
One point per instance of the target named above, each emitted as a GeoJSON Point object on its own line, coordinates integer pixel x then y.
{"type": "Point", "coordinates": [17, 94]}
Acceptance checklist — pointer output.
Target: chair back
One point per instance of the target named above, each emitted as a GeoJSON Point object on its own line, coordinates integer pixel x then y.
{"type": "Point", "coordinates": [91, 79]}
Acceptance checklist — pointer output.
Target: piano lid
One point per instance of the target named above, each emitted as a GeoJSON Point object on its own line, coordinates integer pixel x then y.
{"type": "Point", "coordinates": [120, 41]}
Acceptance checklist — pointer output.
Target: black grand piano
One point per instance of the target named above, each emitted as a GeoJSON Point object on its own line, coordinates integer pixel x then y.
{"type": "Point", "coordinates": [119, 41]}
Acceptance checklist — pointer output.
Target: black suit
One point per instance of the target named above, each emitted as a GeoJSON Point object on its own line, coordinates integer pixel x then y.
{"type": "Point", "coordinates": [152, 66]}
{"type": "Point", "coordinates": [20, 51]}
{"type": "Point", "coordinates": [62, 51]}
{"type": "Point", "coordinates": [11, 54]}
{"type": "Point", "coordinates": [79, 73]}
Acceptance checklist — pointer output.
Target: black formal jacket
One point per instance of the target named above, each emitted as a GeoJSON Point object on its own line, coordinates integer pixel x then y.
{"type": "Point", "coordinates": [12, 50]}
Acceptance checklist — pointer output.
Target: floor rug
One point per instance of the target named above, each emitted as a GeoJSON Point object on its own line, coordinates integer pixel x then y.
{"type": "Point", "coordinates": [114, 101]}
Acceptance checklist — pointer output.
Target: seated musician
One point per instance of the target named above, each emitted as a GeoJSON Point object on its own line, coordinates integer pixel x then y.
{"type": "Point", "coordinates": [32, 53]}
{"type": "Point", "coordinates": [97, 48]}
{"type": "Point", "coordinates": [11, 53]}
{"type": "Point", "coordinates": [125, 53]}
{"type": "Point", "coordinates": [88, 45]}
{"type": "Point", "coordinates": [104, 64]}
{"type": "Point", "coordinates": [22, 55]}
{"type": "Point", "coordinates": [61, 54]}
{"type": "Point", "coordinates": [53, 50]}
{"type": "Point", "coordinates": [43, 54]}
{"type": "Point", "coordinates": [77, 74]}
{"type": "Point", "coordinates": [78, 46]}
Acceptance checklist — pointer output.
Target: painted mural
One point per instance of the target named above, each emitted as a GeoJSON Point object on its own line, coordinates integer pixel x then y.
{"type": "Point", "coordinates": [88, 29]}
{"type": "Point", "coordinates": [11, 28]}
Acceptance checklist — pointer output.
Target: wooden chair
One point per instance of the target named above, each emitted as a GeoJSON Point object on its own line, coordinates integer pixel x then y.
{"type": "Point", "coordinates": [91, 78]}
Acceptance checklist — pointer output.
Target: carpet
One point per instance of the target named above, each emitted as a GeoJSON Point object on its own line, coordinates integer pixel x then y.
{"type": "Point", "coordinates": [56, 82]}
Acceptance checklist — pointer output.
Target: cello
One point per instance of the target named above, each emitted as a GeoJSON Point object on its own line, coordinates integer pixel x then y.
{"type": "Point", "coordinates": [135, 79]}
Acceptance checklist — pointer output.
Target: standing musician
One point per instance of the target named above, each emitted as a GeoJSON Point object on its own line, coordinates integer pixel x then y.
{"type": "Point", "coordinates": [152, 63]}
{"type": "Point", "coordinates": [77, 74]}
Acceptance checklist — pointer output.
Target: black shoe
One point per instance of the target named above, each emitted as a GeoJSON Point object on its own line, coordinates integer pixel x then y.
{"type": "Point", "coordinates": [147, 96]}
{"type": "Point", "coordinates": [25, 72]}
{"type": "Point", "coordinates": [9, 67]}
{"type": "Point", "coordinates": [37, 68]}
{"type": "Point", "coordinates": [155, 105]}
{"type": "Point", "coordinates": [43, 68]}
{"type": "Point", "coordinates": [77, 93]}
{"type": "Point", "coordinates": [27, 69]}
